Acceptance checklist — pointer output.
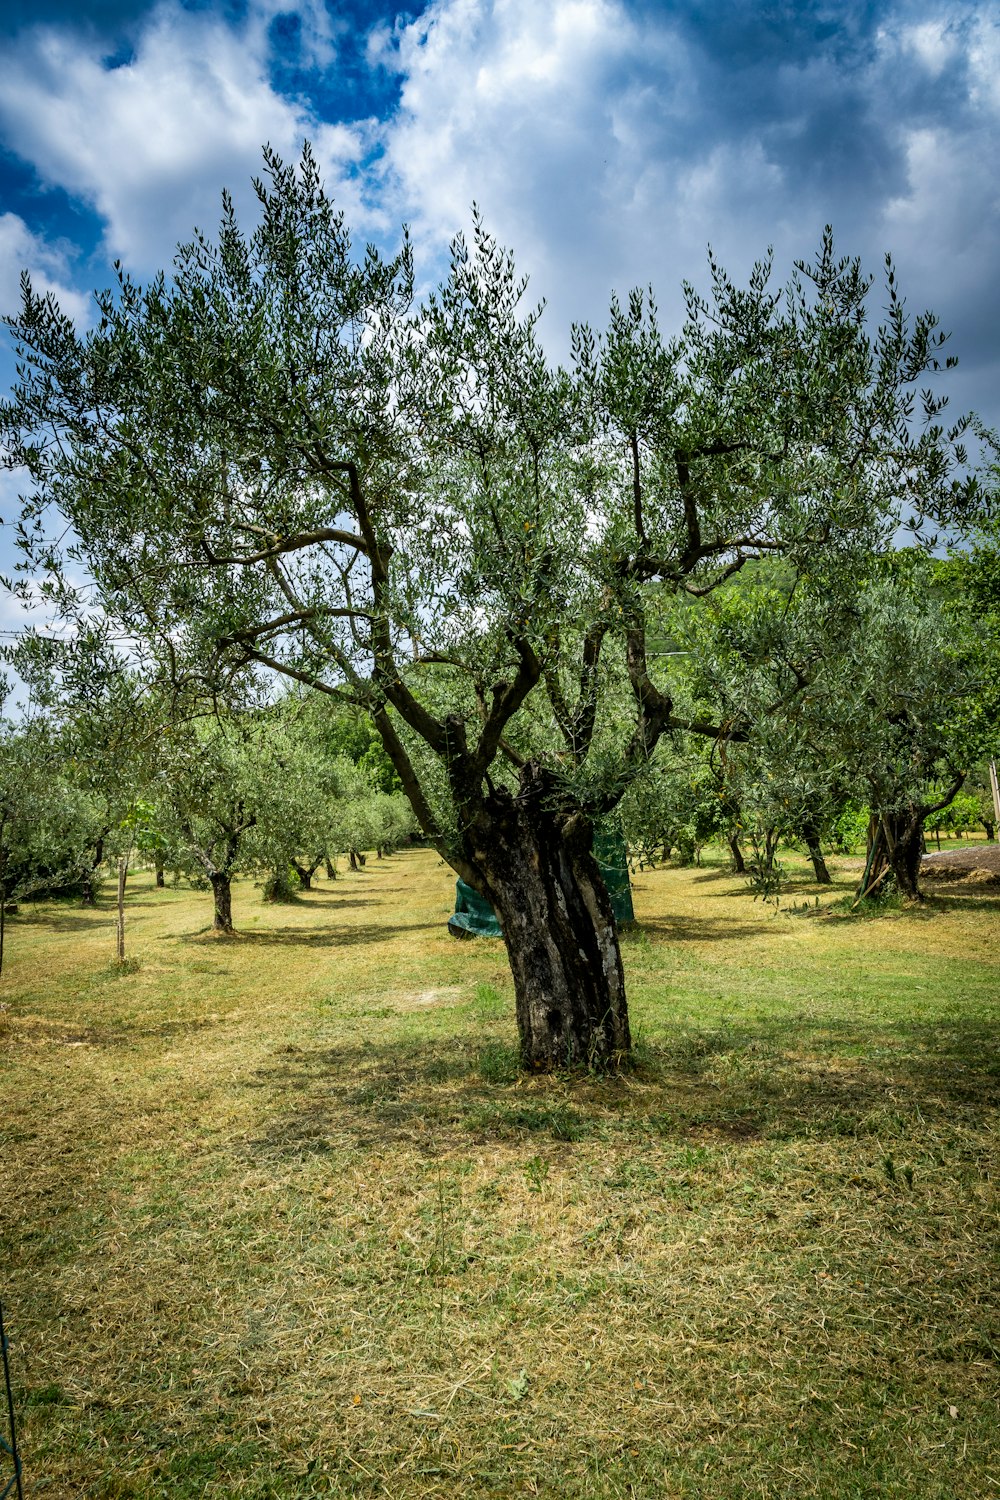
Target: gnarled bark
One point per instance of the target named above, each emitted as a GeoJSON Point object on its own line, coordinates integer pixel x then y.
{"type": "Point", "coordinates": [220, 871]}
{"type": "Point", "coordinates": [896, 844]}
{"type": "Point", "coordinates": [895, 847]}
{"type": "Point", "coordinates": [535, 866]}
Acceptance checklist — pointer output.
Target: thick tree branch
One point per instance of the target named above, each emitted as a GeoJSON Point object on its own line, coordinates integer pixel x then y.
{"type": "Point", "coordinates": [586, 710]}
{"type": "Point", "coordinates": [653, 707]}
{"type": "Point", "coordinates": [293, 617]}
{"type": "Point", "coordinates": [692, 521]}
{"type": "Point", "coordinates": [948, 798]}
{"type": "Point", "coordinates": [387, 676]}
{"type": "Point", "coordinates": [403, 766]}
{"type": "Point", "coordinates": [727, 572]}
{"type": "Point", "coordinates": [558, 704]}
{"type": "Point", "coordinates": [710, 730]}
{"type": "Point", "coordinates": [507, 699]}
{"type": "Point", "coordinates": [286, 544]}
{"type": "Point", "coordinates": [310, 679]}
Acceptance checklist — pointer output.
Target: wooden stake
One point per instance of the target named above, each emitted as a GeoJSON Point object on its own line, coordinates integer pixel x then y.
{"type": "Point", "coordinates": [121, 908]}
{"type": "Point", "coordinates": [873, 887]}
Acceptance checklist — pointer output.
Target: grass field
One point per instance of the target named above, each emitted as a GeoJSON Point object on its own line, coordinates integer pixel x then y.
{"type": "Point", "coordinates": [281, 1219]}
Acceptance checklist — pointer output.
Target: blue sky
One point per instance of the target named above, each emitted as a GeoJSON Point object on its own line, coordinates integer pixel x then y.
{"type": "Point", "coordinates": [607, 141]}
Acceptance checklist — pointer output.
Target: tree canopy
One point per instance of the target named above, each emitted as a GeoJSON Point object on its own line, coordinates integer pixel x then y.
{"type": "Point", "coordinates": [281, 458]}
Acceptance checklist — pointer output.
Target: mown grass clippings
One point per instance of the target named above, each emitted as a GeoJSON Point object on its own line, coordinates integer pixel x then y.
{"type": "Point", "coordinates": [281, 1218]}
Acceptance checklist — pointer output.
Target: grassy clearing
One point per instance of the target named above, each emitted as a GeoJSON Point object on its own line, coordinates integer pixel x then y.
{"type": "Point", "coordinates": [281, 1219]}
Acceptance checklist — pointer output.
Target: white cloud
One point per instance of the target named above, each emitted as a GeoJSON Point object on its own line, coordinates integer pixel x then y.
{"type": "Point", "coordinates": [17, 615]}
{"type": "Point", "coordinates": [984, 61]}
{"type": "Point", "coordinates": [47, 264]}
{"type": "Point", "coordinates": [608, 145]}
{"type": "Point", "coordinates": [935, 43]}
{"type": "Point", "coordinates": [556, 119]}
{"type": "Point", "coordinates": [593, 137]}
{"type": "Point", "coordinates": [150, 144]}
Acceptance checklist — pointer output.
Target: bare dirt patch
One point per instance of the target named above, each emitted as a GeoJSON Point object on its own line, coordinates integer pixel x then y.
{"type": "Point", "coordinates": [424, 999]}
{"type": "Point", "coordinates": [979, 865]}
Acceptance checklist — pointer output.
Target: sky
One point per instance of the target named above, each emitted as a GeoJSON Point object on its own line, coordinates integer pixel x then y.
{"type": "Point", "coordinates": [607, 142]}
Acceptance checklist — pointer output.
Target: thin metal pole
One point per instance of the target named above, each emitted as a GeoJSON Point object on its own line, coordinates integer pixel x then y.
{"type": "Point", "coordinates": [10, 1411]}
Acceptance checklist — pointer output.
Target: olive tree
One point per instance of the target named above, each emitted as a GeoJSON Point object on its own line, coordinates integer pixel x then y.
{"type": "Point", "coordinates": [870, 698]}
{"type": "Point", "coordinates": [241, 793]}
{"type": "Point", "coordinates": [281, 456]}
{"type": "Point", "coordinates": [105, 726]}
{"type": "Point", "coordinates": [47, 821]}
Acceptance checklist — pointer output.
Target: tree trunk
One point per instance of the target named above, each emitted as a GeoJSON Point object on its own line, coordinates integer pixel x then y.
{"type": "Point", "coordinates": [222, 892]}
{"type": "Point", "coordinates": [87, 883]}
{"type": "Point", "coordinates": [739, 863]}
{"type": "Point", "coordinates": [894, 846]}
{"type": "Point", "coordinates": [158, 865]}
{"type": "Point", "coordinates": [811, 837]}
{"type": "Point", "coordinates": [305, 876]}
{"type": "Point", "coordinates": [353, 859]}
{"type": "Point", "coordinates": [537, 870]}
{"type": "Point", "coordinates": [764, 851]}
{"type": "Point", "coordinates": [991, 831]}
{"type": "Point", "coordinates": [331, 869]}
{"type": "Point", "coordinates": [906, 851]}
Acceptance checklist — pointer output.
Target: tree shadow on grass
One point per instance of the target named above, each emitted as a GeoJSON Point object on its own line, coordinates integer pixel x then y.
{"type": "Point", "coordinates": [85, 920]}
{"type": "Point", "coordinates": [682, 929]}
{"type": "Point", "coordinates": [304, 937]}
{"type": "Point", "coordinates": [955, 898]}
{"type": "Point", "coordinates": [296, 902]}
{"type": "Point", "coordinates": [743, 1086]}
{"type": "Point", "coordinates": [800, 886]}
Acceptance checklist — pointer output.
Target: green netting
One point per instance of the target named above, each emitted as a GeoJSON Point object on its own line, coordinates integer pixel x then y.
{"type": "Point", "coordinates": [612, 861]}
{"type": "Point", "coordinates": [474, 916]}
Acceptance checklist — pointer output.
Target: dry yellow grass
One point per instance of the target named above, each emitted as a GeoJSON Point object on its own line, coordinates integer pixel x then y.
{"type": "Point", "coordinates": [281, 1219]}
